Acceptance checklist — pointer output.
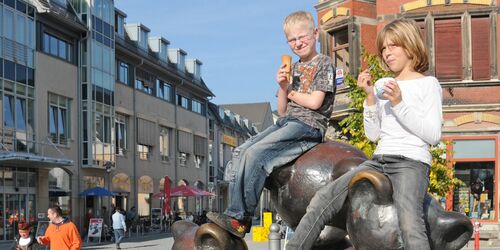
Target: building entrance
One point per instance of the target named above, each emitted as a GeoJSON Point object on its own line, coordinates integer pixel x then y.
{"type": "Point", "coordinates": [15, 208]}
{"type": "Point", "coordinates": [17, 200]}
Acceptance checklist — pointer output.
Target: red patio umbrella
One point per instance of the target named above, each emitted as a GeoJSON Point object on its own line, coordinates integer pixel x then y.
{"type": "Point", "coordinates": [184, 191]}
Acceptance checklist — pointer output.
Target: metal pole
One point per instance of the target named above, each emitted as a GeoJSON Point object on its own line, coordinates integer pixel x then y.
{"type": "Point", "coordinates": [274, 237]}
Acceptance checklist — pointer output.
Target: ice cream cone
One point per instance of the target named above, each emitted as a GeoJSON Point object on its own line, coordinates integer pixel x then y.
{"type": "Point", "coordinates": [287, 60]}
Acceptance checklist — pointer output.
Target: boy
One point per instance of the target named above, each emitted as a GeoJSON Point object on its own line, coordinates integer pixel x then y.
{"type": "Point", "coordinates": [304, 107]}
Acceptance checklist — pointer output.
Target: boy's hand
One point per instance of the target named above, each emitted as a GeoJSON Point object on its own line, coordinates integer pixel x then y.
{"type": "Point", "coordinates": [281, 76]}
{"type": "Point", "coordinates": [393, 93]}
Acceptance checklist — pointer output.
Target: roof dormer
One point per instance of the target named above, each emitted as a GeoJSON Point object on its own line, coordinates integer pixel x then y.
{"type": "Point", "coordinates": [193, 66]}
{"type": "Point", "coordinates": [159, 45]}
{"type": "Point", "coordinates": [120, 23]}
{"type": "Point", "coordinates": [177, 56]}
{"type": "Point", "coordinates": [138, 33]}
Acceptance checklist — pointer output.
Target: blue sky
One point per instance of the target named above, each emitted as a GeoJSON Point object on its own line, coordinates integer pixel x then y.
{"type": "Point", "coordinates": [239, 42]}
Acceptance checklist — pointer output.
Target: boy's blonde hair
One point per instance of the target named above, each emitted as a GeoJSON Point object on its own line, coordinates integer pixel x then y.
{"type": "Point", "coordinates": [406, 34]}
{"type": "Point", "coordinates": [299, 17]}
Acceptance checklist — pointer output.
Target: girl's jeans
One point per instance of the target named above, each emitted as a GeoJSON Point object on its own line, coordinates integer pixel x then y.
{"type": "Point", "coordinates": [409, 178]}
{"type": "Point", "coordinates": [255, 159]}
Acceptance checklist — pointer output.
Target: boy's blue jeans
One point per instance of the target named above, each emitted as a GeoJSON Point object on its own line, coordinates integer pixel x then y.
{"type": "Point", "coordinates": [255, 159]}
{"type": "Point", "coordinates": [410, 179]}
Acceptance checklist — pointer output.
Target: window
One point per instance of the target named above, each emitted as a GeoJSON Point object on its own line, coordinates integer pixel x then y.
{"type": "Point", "coordinates": [198, 161]}
{"type": "Point", "coordinates": [102, 31]}
{"type": "Point", "coordinates": [120, 23]}
{"type": "Point", "coordinates": [447, 30]}
{"type": "Point", "coordinates": [8, 111]}
{"type": "Point", "coordinates": [183, 101]}
{"type": "Point", "coordinates": [123, 72]}
{"type": "Point", "coordinates": [163, 90]}
{"type": "Point", "coordinates": [140, 85]}
{"type": "Point", "coordinates": [476, 165]}
{"type": "Point", "coordinates": [164, 144]}
{"type": "Point", "coordinates": [56, 47]}
{"type": "Point", "coordinates": [103, 128]}
{"type": "Point", "coordinates": [143, 39]}
{"type": "Point", "coordinates": [196, 107]}
{"type": "Point", "coordinates": [183, 159]}
{"type": "Point", "coordinates": [121, 134]}
{"type": "Point", "coordinates": [163, 52]}
{"type": "Point", "coordinates": [481, 54]}
{"type": "Point", "coordinates": [340, 49]}
{"type": "Point", "coordinates": [143, 151]}
{"type": "Point", "coordinates": [58, 118]}
{"type": "Point", "coordinates": [468, 44]}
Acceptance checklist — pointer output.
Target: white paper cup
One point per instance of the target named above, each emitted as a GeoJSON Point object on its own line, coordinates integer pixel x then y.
{"type": "Point", "coordinates": [379, 86]}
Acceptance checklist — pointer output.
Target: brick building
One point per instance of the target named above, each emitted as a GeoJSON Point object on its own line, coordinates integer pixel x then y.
{"type": "Point", "coordinates": [464, 52]}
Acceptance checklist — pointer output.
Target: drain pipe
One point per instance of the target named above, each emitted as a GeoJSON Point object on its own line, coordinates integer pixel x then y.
{"type": "Point", "coordinates": [134, 103]}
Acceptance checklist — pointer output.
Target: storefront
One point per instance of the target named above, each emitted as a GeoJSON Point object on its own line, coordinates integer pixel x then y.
{"type": "Point", "coordinates": [17, 199]}
{"type": "Point", "coordinates": [475, 159]}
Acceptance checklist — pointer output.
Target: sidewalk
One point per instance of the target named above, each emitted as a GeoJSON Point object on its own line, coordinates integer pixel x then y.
{"type": "Point", "coordinates": [162, 241]}
{"type": "Point", "coordinates": [157, 241]}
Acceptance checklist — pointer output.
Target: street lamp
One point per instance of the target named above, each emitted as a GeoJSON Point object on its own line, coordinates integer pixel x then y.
{"type": "Point", "coordinates": [108, 165]}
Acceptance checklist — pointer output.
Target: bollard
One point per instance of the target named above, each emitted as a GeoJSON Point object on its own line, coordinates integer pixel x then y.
{"type": "Point", "coordinates": [274, 237]}
{"type": "Point", "coordinates": [476, 235]}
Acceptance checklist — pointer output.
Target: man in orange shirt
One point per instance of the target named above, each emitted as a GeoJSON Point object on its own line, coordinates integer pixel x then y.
{"type": "Point", "coordinates": [61, 233]}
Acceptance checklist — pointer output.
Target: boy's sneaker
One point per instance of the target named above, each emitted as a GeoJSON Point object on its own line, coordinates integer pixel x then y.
{"type": "Point", "coordinates": [230, 224]}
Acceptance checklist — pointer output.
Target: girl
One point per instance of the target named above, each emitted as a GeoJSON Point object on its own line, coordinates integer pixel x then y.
{"type": "Point", "coordinates": [405, 121]}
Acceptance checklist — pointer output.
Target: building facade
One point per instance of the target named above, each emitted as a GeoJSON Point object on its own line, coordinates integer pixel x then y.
{"type": "Point", "coordinates": [89, 100]}
{"type": "Point", "coordinates": [464, 54]}
{"type": "Point", "coordinates": [228, 130]}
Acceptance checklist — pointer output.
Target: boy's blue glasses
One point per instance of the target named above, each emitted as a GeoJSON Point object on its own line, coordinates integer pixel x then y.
{"type": "Point", "coordinates": [303, 38]}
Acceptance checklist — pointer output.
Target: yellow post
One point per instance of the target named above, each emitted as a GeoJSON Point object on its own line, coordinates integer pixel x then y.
{"type": "Point", "coordinates": [261, 234]}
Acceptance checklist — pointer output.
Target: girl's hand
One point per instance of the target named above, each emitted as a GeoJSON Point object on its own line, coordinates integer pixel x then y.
{"type": "Point", "coordinates": [365, 82]}
{"type": "Point", "coordinates": [393, 93]}
{"type": "Point", "coordinates": [281, 76]}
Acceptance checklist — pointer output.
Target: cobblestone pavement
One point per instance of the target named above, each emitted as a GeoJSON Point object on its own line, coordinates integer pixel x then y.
{"type": "Point", "coordinates": [161, 241]}
{"type": "Point", "coordinates": [164, 241]}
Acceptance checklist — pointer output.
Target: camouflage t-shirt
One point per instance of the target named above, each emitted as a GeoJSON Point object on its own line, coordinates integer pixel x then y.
{"type": "Point", "coordinates": [317, 74]}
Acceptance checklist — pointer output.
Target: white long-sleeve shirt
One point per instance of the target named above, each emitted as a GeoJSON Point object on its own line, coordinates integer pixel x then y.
{"type": "Point", "coordinates": [119, 221]}
{"type": "Point", "coordinates": [411, 126]}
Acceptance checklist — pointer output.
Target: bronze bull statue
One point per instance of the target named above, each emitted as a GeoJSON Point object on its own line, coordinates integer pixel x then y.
{"type": "Point", "coordinates": [368, 216]}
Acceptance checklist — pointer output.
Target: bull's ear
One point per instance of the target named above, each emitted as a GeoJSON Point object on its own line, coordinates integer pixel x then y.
{"type": "Point", "coordinates": [211, 236]}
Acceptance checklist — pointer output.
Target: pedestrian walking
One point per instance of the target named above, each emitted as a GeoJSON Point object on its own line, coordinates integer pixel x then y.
{"type": "Point", "coordinates": [119, 226]}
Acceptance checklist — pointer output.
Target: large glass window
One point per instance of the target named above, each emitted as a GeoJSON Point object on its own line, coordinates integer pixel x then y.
{"type": "Point", "coordinates": [8, 111]}
{"type": "Point", "coordinates": [59, 118]}
{"type": "Point", "coordinates": [8, 21]}
{"type": "Point", "coordinates": [121, 133]}
{"type": "Point", "coordinates": [60, 189]}
{"type": "Point", "coordinates": [57, 47]}
{"type": "Point", "coordinates": [476, 165]}
{"type": "Point", "coordinates": [20, 114]}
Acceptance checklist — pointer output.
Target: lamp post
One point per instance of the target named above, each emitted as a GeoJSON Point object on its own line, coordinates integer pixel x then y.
{"type": "Point", "coordinates": [108, 166]}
